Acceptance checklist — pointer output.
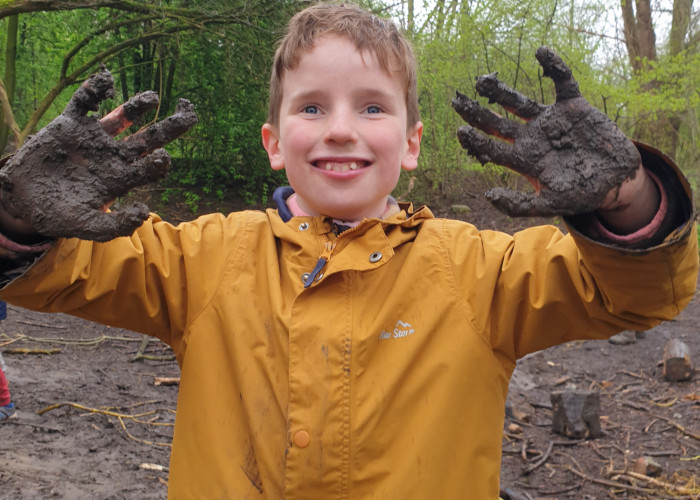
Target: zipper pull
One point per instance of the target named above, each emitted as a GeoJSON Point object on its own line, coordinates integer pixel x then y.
{"type": "Point", "coordinates": [322, 261]}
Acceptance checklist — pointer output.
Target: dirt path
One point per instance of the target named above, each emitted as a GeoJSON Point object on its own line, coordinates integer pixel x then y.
{"type": "Point", "coordinates": [70, 452]}
{"type": "Point", "coordinates": [642, 416]}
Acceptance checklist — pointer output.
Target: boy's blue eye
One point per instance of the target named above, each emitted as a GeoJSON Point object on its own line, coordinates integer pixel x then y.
{"type": "Point", "coordinates": [311, 109]}
{"type": "Point", "coordinates": [374, 110]}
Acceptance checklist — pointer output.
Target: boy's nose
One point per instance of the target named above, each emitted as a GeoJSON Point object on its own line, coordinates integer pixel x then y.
{"type": "Point", "coordinates": [340, 129]}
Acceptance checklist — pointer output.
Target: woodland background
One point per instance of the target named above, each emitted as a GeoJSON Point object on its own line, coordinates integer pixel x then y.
{"type": "Point", "coordinates": [638, 61]}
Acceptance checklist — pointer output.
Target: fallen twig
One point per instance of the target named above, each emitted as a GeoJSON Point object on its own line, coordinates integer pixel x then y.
{"type": "Point", "coordinates": [561, 491]}
{"type": "Point", "coordinates": [636, 406]}
{"type": "Point", "coordinates": [605, 482]}
{"type": "Point", "coordinates": [541, 460]}
{"type": "Point", "coordinates": [662, 453]}
{"type": "Point", "coordinates": [142, 348]}
{"type": "Point", "coordinates": [142, 441]}
{"type": "Point", "coordinates": [166, 381]}
{"type": "Point", "coordinates": [43, 325]}
{"type": "Point", "coordinates": [154, 467]}
{"type": "Point", "coordinates": [31, 351]}
{"type": "Point", "coordinates": [677, 426]}
{"type": "Point", "coordinates": [569, 442]}
{"type": "Point", "coordinates": [632, 374]}
{"type": "Point", "coordinates": [78, 342]}
{"type": "Point", "coordinates": [151, 357]}
{"type": "Point", "coordinates": [661, 484]}
{"type": "Point", "coordinates": [92, 410]}
{"type": "Point", "coordinates": [671, 402]}
{"type": "Point", "coordinates": [648, 427]}
{"type": "Point", "coordinates": [141, 353]}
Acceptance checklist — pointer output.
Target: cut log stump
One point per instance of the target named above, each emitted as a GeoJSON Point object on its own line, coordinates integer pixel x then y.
{"type": "Point", "coordinates": [576, 414]}
{"type": "Point", "coordinates": [677, 363]}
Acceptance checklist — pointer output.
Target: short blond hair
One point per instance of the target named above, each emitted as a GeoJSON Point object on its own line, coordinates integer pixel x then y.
{"type": "Point", "coordinates": [368, 32]}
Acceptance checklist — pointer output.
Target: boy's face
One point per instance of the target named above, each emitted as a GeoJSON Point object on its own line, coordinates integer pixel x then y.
{"type": "Point", "coordinates": [342, 136]}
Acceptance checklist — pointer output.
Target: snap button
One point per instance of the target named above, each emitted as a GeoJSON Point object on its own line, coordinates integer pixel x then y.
{"type": "Point", "coordinates": [305, 277]}
{"type": "Point", "coordinates": [319, 277]}
{"type": "Point", "coordinates": [302, 439]}
{"type": "Point", "coordinates": [303, 226]}
{"type": "Point", "coordinates": [375, 257]}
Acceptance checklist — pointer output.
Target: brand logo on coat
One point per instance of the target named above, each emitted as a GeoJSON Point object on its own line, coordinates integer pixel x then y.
{"type": "Point", "coordinates": [401, 330]}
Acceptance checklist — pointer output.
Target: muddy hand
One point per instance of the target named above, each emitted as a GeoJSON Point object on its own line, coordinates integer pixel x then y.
{"type": "Point", "coordinates": [572, 153]}
{"type": "Point", "coordinates": [61, 179]}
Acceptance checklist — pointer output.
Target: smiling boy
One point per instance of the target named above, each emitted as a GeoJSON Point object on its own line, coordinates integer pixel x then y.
{"type": "Point", "coordinates": [341, 130]}
{"type": "Point", "coordinates": [346, 346]}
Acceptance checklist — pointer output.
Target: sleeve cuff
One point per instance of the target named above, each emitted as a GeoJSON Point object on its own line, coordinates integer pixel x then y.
{"type": "Point", "coordinates": [672, 222]}
{"type": "Point", "coordinates": [641, 234]}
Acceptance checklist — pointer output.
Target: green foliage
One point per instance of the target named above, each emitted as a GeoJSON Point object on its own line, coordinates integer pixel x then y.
{"type": "Point", "coordinates": [455, 46]}
{"type": "Point", "coordinates": [220, 64]}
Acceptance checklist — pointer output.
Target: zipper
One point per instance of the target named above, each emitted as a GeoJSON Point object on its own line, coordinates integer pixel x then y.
{"type": "Point", "coordinates": [329, 246]}
{"type": "Point", "coordinates": [325, 256]}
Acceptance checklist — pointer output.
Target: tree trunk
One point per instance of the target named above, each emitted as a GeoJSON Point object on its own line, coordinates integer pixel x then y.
{"type": "Point", "coordinates": [10, 76]}
{"type": "Point", "coordinates": [639, 33]}
{"type": "Point", "coordinates": [682, 10]}
{"type": "Point", "coordinates": [660, 130]}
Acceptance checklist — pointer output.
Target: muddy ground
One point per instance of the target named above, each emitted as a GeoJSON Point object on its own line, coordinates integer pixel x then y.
{"type": "Point", "coordinates": [93, 424]}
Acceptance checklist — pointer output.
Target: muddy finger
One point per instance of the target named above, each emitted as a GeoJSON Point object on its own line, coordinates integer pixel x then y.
{"type": "Point", "coordinates": [554, 67]}
{"type": "Point", "coordinates": [483, 119]}
{"type": "Point", "coordinates": [143, 170]}
{"type": "Point", "coordinates": [159, 134]}
{"type": "Point", "coordinates": [79, 221]}
{"type": "Point", "coordinates": [124, 116]}
{"type": "Point", "coordinates": [98, 87]}
{"type": "Point", "coordinates": [106, 226]}
{"type": "Point", "coordinates": [512, 203]}
{"type": "Point", "coordinates": [496, 91]}
{"type": "Point", "coordinates": [484, 148]}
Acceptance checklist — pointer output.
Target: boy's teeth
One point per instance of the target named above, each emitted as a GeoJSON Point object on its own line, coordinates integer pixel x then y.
{"type": "Point", "coordinates": [340, 167]}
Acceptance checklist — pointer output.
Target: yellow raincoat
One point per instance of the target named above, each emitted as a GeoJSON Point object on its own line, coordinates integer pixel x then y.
{"type": "Point", "coordinates": [386, 377]}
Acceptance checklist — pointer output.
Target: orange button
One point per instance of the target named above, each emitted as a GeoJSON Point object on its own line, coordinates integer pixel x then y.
{"type": "Point", "coordinates": [302, 439]}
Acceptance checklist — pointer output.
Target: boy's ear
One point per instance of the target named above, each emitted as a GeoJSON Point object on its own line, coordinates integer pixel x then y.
{"type": "Point", "coordinates": [271, 143]}
{"type": "Point", "coordinates": [410, 159]}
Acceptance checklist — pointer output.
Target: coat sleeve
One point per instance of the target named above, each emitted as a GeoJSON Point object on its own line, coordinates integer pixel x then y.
{"type": "Point", "coordinates": [153, 282]}
{"type": "Point", "coordinates": [540, 287]}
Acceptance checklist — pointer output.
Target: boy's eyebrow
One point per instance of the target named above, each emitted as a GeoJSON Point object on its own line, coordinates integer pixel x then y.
{"type": "Point", "coordinates": [304, 95]}
{"type": "Point", "coordinates": [367, 92]}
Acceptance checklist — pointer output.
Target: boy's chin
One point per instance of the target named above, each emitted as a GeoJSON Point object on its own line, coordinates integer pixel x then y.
{"type": "Point", "coordinates": [348, 209]}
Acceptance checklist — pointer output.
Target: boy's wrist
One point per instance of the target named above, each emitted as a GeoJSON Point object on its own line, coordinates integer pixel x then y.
{"type": "Point", "coordinates": [637, 220]}
{"type": "Point", "coordinates": [17, 237]}
{"type": "Point", "coordinates": [12, 249]}
{"type": "Point", "coordinates": [668, 223]}
{"type": "Point", "coordinates": [634, 205]}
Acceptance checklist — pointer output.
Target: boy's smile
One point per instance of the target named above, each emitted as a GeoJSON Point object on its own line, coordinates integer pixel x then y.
{"type": "Point", "coordinates": [343, 136]}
